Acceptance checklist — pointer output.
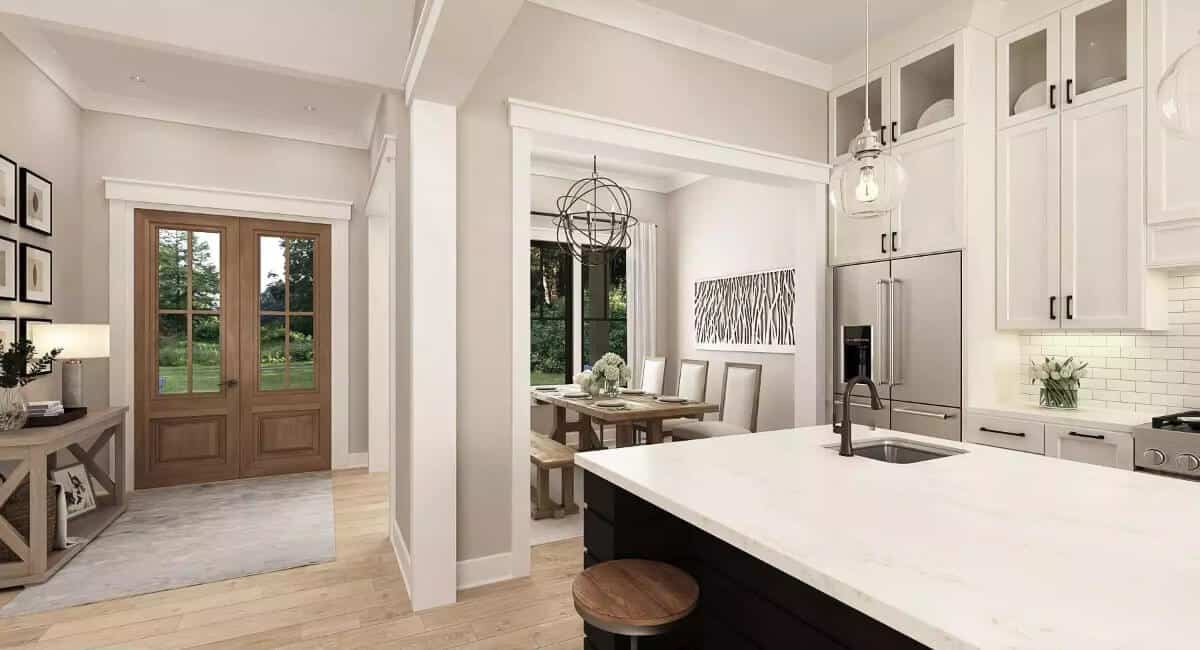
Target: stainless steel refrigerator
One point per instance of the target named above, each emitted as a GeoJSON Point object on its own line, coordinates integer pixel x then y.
{"type": "Point", "coordinates": [899, 323]}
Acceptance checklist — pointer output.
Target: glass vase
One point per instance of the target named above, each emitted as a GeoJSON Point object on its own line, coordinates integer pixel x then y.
{"type": "Point", "coordinates": [610, 388]}
{"type": "Point", "coordinates": [1058, 396]}
{"type": "Point", "coordinates": [14, 410]}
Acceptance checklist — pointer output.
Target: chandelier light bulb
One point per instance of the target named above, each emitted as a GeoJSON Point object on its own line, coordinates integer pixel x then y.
{"type": "Point", "coordinates": [867, 190]}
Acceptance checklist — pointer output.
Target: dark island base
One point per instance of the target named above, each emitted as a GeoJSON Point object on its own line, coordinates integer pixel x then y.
{"type": "Point", "coordinates": [744, 602]}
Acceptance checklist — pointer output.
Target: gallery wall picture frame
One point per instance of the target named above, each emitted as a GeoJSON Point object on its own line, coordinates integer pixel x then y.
{"type": "Point", "coordinates": [23, 334]}
{"type": "Point", "coordinates": [8, 268]}
{"type": "Point", "coordinates": [76, 482]}
{"type": "Point", "coordinates": [8, 189]}
{"type": "Point", "coordinates": [8, 331]}
{"type": "Point", "coordinates": [37, 202]}
{"type": "Point", "coordinates": [37, 275]}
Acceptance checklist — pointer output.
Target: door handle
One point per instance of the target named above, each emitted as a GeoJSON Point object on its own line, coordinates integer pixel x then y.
{"type": "Point", "coordinates": [881, 307]}
{"type": "Point", "coordinates": [883, 134]}
{"type": "Point", "coordinates": [1053, 91]}
{"type": "Point", "coordinates": [1070, 312]}
{"type": "Point", "coordinates": [895, 132]}
{"type": "Point", "coordinates": [924, 414]}
{"type": "Point", "coordinates": [1070, 95]}
{"type": "Point", "coordinates": [1086, 435]}
{"type": "Point", "coordinates": [230, 383]}
{"type": "Point", "coordinates": [856, 405]}
{"type": "Point", "coordinates": [883, 243]}
{"type": "Point", "coordinates": [895, 249]}
{"type": "Point", "coordinates": [894, 376]}
{"type": "Point", "coordinates": [1003, 433]}
{"type": "Point", "coordinates": [1052, 299]}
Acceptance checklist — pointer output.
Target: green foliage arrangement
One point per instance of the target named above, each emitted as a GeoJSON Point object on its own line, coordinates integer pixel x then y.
{"type": "Point", "coordinates": [19, 363]}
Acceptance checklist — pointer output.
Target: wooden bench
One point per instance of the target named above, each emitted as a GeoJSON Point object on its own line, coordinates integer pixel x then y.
{"type": "Point", "coordinates": [547, 454]}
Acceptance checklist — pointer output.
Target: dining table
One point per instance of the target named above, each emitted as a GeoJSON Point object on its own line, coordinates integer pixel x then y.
{"type": "Point", "coordinates": [635, 408]}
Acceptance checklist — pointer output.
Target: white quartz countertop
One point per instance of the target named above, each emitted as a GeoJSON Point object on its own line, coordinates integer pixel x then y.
{"type": "Point", "coordinates": [988, 549]}
{"type": "Point", "coordinates": [1093, 418]}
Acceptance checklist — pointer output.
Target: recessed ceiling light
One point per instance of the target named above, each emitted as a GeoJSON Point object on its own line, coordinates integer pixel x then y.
{"type": "Point", "coordinates": [137, 78]}
{"type": "Point", "coordinates": [310, 108]}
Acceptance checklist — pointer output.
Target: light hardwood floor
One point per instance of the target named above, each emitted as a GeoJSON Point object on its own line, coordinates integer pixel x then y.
{"type": "Point", "coordinates": [357, 601]}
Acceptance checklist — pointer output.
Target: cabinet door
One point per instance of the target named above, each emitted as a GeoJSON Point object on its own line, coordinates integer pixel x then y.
{"type": "Point", "coordinates": [928, 91]}
{"type": "Point", "coordinates": [1103, 251]}
{"type": "Point", "coordinates": [1028, 82]}
{"type": "Point", "coordinates": [846, 112]}
{"type": "Point", "coordinates": [1027, 225]}
{"type": "Point", "coordinates": [937, 421]}
{"type": "Point", "coordinates": [858, 240]}
{"type": "Point", "coordinates": [1101, 50]}
{"type": "Point", "coordinates": [1174, 194]}
{"type": "Point", "coordinates": [930, 218]}
{"type": "Point", "coordinates": [1108, 448]}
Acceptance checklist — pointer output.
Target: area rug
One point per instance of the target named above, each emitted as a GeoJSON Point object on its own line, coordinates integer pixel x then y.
{"type": "Point", "coordinates": [196, 534]}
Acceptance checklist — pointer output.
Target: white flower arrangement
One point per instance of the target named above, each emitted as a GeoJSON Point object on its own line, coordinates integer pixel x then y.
{"type": "Point", "coordinates": [605, 376]}
{"type": "Point", "coordinates": [1060, 381]}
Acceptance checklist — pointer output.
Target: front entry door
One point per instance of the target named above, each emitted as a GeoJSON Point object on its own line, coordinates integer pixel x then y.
{"type": "Point", "coordinates": [232, 348]}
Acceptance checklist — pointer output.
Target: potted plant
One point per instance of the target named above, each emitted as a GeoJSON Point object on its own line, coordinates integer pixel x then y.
{"type": "Point", "coordinates": [1060, 382]}
{"type": "Point", "coordinates": [19, 365]}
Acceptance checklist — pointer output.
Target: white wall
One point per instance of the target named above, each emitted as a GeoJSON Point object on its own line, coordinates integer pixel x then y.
{"type": "Point", "coordinates": [725, 227]}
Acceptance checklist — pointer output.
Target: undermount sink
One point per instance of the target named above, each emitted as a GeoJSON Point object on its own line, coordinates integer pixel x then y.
{"type": "Point", "coordinates": [899, 451]}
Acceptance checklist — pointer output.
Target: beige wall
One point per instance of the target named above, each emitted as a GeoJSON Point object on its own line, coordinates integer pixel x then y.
{"type": "Point", "coordinates": [130, 147]}
{"type": "Point", "coordinates": [724, 227]}
{"type": "Point", "coordinates": [40, 129]}
{"type": "Point", "coordinates": [619, 75]}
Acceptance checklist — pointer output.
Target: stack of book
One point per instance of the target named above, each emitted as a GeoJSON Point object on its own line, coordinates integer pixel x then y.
{"type": "Point", "coordinates": [46, 409]}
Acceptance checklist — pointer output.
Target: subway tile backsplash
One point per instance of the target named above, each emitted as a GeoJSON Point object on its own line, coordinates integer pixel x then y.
{"type": "Point", "coordinates": [1130, 370]}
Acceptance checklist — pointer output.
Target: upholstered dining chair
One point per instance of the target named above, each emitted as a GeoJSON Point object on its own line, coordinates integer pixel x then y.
{"type": "Point", "coordinates": [692, 386]}
{"type": "Point", "coordinates": [739, 405]}
{"type": "Point", "coordinates": [654, 371]}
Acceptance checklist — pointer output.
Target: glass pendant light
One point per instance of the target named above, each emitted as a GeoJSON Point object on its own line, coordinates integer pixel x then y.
{"type": "Point", "coordinates": [1179, 95]}
{"type": "Point", "coordinates": [872, 182]}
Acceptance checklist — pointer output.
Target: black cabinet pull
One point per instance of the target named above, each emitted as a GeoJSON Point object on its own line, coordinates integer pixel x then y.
{"type": "Point", "coordinates": [883, 134]}
{"type": "Point", "coordinates": [1070, 313]}
{"type": "Point", "coordinates": [1086, 435]}
{"type": "Point", "coordinates": [1003, 433]}
{"type": "Point", "coordinates": [1070, 96]}
{"type": "Point", "coordinates": [1052, 299]}
{"type": "Point", "coordinates": [894, 247]}
{"type": "Point", "coordinates": [883, 242]}
{"type": "Point", "coordinates": [1053, 90]}
{"type": "Point", "coordinates": [895, 132]}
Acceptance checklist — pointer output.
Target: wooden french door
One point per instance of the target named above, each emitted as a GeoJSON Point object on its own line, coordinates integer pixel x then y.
{"type": "Point", "coordinates": [232, 348]}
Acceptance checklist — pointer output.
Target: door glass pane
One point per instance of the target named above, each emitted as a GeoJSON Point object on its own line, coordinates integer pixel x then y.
{"type": "Point", "coordinates": [604, 300]}
{"type": "Point", "coordinates": [172, 269]}
{"type": "Point", "coordinates": [1100, 46]}
{"type": "Point", "coordinates": [849, 117]}
{"type": "Point", "coordinates": [1027, 85]}
{"type": "Point", "coordinates": [272, 364]}
{"type": "Point", "coordinates": [300, 274]}
{"type": "Point", "coordinates": [550, 314]}
{"type": "Point", "coordinates": [927, 90]}
{"type": "Point", "coordinates": [206, 353]}
{"type": "Point", "coordinates": [206, 271]}
{"type": "Point", "coordinates": [300, 353]}
{"type": "Point", "coordinates": [272, 280]}
{"type": "Point", "coordinates": [172, 354]}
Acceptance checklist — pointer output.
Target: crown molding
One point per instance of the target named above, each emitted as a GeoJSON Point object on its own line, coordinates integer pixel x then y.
{"type": "Point", "coordinates": [664, 183]}
{"type": "Point", "coordinates": [158, 192]}
{"type": "Point", "coordinates": [673, 29]}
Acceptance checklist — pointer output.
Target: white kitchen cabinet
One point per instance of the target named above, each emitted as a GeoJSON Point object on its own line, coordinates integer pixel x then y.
{"type": "Point", "coordinates": [858, 240]}
{"type": "Point", "coordinates": [1094, 446]}
{"type": "Point", "coordinates": [1027, 73]}
{"type": "Point", "coordinates": [1101, 50]}
{"type": "Point", "coordinates": [931, 217]}
{"type": "Point", "coordinates": [846, 112]}
{"type": "Point", "coordinates": [927, 89]}
{"type": "Point", "coordinates": [1028, 225]}
{"type": "Point", "coordinates": [1017, 435]}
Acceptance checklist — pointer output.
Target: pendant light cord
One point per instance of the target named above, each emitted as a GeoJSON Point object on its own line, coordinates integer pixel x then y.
{"type": "Point", "coordinates": [867, 67]}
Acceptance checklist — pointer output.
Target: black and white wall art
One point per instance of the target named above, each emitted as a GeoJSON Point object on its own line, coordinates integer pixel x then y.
{"type": "Point", "coordinates": [8, 331]}
{"type": "Point", "coordinates": [37, 203]}
{"type": "Point", "coordinates": [8, 268]}
{"type": "Point", "coordinates": [8, 190]}
{"type": "Point", "coordinates": [36, 275]}
{"type": "Point", "coordinates": [751, 312]}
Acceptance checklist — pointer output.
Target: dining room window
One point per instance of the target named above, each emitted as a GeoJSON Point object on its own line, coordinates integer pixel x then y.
{"type": "Point", "coordinates": [604, 301]}
{"type": "Point", "coordinates": [551, 314]}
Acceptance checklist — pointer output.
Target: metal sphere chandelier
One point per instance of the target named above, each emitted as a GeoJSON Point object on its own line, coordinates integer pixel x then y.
{"type": "Point", "coordinates": [594, 216]}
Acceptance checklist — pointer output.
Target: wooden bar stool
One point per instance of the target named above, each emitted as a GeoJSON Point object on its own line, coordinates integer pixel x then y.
{"type": "Point", "coordinates": [634, 598]}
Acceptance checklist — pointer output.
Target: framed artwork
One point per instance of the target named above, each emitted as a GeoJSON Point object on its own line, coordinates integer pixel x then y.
{"type": "Point", "coordinates": [750, 312]}
{"type": "Point", "coordinates": [8, 268]}
{"type": "Point", "coordinates": [37, 275]}
{"type": "Point", "coordinates": [8, 331]}
{"type": "Point", "coordinates": [23, 333]}
{"type": "Point", "coordinates": [77, 485]}
{"type": "Point", "coordinates": [8, 190]}
{"type": "Point", "coordinates": [37, 202]}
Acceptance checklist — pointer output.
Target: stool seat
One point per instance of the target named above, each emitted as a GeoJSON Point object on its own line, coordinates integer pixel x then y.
{"type": "Point", "coordinates": [634, 597]}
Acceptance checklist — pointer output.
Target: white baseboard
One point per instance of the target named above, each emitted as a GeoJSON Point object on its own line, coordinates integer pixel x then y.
{"type": "Point", "coordinates": [480, 571]}
{"type": "Point", "coordinates": [403, 558]}
{"type": "Point", "coordinates": [351, 461]}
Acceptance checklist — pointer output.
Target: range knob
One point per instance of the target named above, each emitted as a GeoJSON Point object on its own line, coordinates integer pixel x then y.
{"type": "Point", "coordinates": [1154, 457]}
{"type": "Point", "coordinates": [1187, 462]}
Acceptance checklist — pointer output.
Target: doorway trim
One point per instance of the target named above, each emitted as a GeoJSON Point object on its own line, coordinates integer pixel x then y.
{"type": "Point", "coordinates": [536, 124]}
{"type": "Point", "coordinates": [125, 196]}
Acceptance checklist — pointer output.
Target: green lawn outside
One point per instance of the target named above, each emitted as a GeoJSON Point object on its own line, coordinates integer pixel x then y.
{"type": "Point", "coordinates": [207, 379]}
{"type": "Point", "coordinates": [541, 378]}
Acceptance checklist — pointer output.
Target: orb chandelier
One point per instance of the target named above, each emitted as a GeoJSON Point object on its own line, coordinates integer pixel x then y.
{"type": "Point", "coordinates": [1179, 95]}
{"type": "Point", "coordinates": [594, 216]}
{"type": "Point", "coordinates": [872, 182]}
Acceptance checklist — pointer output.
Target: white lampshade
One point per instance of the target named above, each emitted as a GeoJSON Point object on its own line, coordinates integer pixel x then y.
{"type": "Point", "coordinates": [77, 340]}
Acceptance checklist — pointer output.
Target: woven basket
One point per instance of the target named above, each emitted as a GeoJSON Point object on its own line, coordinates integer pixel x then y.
{"type": "Point", "coordinates": [16, 511]}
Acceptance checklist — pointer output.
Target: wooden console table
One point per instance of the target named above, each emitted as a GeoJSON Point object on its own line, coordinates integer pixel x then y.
{"type": "Point", "coordinates": [33, 450]}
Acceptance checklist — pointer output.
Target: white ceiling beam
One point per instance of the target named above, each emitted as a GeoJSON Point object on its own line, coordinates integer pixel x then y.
{"type": "Point", "coordinates": [452, 44]}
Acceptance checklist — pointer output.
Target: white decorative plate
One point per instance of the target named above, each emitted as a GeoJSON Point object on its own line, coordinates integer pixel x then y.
{"type": "Point", "coordinates": [672, 399]}
{"type": "Point", "coordinates": [940, 110]}
{"type": "Point", "coordinates": [577, 395]}
{"type": "Point", "coordinates": [545, 388]}
{"type": "Point", "coordinates": [1034, 97]}
{"type": "Point", "coordinates": [611, 403]}
{"type": "Point", "coordinates": [632, 391]}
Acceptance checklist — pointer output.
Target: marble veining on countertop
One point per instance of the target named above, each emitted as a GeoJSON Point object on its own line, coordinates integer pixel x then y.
{"type": "Point", "coordinates": [988, 549]}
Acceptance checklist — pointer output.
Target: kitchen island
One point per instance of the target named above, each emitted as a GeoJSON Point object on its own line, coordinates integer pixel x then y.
{"type": "Point", "coordinates": [795, 546]}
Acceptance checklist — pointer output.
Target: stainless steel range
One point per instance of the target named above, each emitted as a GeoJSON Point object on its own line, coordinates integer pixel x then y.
{"type": "Point", "coordinates": [1169, 444]}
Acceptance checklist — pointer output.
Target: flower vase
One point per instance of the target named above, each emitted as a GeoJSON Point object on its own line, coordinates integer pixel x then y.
{"type": "Point", "coordinates": [1057, 396]}
{"type": "Point", "coordinates": [14, 410]}
{"type": "Point", "coordinates": [610, 388]}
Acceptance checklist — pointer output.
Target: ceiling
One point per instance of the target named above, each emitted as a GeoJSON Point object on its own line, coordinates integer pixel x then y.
{"type": "Point", "coordinates": [825, 30]}
{"type": "Point", "coordinates": [573, 165]}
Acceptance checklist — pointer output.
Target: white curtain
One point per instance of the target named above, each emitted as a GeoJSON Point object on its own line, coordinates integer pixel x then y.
{"type": "Point", "coordinates": [641, 264]}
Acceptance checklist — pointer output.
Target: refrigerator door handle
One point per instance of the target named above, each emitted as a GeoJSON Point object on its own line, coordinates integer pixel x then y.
{"type": "Point", "coordinates": [880, 375]}
{"type": "Point", "coordinates": [895, 377]}
{"type": "Point", "coordinates": [924, 414]}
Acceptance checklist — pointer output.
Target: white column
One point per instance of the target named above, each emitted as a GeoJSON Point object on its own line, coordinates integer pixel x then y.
{"type": "Point", "coordinates": [433, 412]}
{"type": "Point", "coordinates": [811, 311]}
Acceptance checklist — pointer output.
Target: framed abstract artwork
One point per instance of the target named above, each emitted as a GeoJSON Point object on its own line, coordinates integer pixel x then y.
{"type": "Point", "coordinates": [37, 275]}
{"type": "Point", "coordinates": [8, 268]}
{"type": "Point", "coordinates": [749, 313]}
{"type": "Point", "coordinates": [37, 202]}
{"type": "Point", "coordinates": [8, 190]}
{"type": "Point", "coordinates": [8, 331]}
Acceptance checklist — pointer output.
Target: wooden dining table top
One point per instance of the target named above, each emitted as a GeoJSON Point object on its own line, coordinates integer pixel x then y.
{"type": "Point", "coordinates": [635, 408]}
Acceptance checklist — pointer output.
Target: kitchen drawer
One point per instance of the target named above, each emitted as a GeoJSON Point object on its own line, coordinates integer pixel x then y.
{"type": "Point", "coordinates": [1094, 446]}
{"type": "Point", "coordinates": [937, 421]}
{"type": "Point", "coordinates": [861, 413]}
{"type": "Point", "coordinates": [1018, 435]}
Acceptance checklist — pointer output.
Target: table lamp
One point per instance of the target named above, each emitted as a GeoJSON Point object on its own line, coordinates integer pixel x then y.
{"type": "Point", "coordinates": [78, 341]}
